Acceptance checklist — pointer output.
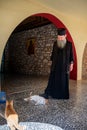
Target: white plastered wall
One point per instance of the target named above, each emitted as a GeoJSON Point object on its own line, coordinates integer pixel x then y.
{"type": "Point", "coordinates": [13, 12]}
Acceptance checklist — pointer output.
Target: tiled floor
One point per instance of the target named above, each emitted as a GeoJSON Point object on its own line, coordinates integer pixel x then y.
{"type": "Point", "coordinates": [68, 114]}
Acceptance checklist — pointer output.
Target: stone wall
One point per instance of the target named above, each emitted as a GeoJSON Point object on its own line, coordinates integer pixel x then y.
{"type": "Point", "coordinates": [84, 64]}
{"type": "Point", "coordinates": [17, 59]}
{"type": "Point", "coordinates": [16, 54]}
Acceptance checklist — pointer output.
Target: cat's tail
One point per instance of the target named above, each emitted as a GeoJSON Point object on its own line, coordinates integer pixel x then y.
{"type": "Point", "coordinates": [2, 116]}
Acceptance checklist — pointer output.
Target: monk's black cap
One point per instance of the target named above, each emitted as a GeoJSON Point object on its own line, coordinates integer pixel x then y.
{"type": "Point", "coordinates": [61, 31]}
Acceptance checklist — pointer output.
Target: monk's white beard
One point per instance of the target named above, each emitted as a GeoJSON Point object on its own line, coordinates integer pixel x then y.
{"type": "Point", "coordinates": [61, 43]}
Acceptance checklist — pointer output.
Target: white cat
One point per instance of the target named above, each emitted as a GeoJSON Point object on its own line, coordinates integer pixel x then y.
{"type": "Point", "coordinates": [37, 99]}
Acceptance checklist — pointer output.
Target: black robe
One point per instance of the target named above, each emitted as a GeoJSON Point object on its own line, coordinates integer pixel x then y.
{"type": "Point", "coordinates": [58, 84]}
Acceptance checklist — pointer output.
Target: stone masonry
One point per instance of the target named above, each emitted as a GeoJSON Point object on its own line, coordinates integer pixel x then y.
{"type": "Point", "coordinates": [16, 55]}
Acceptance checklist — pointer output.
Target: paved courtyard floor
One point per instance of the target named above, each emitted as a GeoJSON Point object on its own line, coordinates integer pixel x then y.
{"type": "Point", "coordinates": [68, 114]}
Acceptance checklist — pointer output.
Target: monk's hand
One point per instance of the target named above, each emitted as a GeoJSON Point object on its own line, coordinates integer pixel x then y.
{"type": "Point", "coordinates": [71, 67]}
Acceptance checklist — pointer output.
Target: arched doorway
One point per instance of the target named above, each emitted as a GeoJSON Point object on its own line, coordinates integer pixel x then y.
{"type": "Point", "coordinates": [59, 24]}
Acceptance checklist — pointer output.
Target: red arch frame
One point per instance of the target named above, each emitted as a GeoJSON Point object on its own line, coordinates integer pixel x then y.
{"type": "Point", "coordinates": [59, 24]}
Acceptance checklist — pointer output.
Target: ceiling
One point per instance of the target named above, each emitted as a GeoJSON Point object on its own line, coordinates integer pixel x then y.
{"type": "Point", "coordinates": [72, 7]}
{"type": "Point", "coordinates": [31, 22]}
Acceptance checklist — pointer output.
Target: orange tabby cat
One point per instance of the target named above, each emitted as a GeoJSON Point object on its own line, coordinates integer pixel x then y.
{"type": "Point", "coordinates": [12, 117]}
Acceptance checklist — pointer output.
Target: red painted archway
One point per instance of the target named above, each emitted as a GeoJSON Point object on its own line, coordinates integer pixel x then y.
{"type": "Point", "coordinates": [59, 24]}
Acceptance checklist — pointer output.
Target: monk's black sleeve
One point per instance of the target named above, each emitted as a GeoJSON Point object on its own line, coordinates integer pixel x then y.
{"type": "Point", "coordinates": [71, 54]}
{"type": "Point", "coordinates": [53, 51]}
